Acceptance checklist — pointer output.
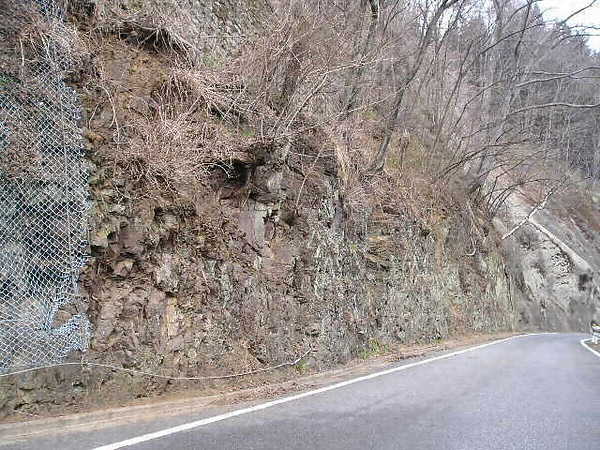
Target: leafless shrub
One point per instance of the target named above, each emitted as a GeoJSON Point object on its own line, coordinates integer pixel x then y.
{"type": "Point", "coordinates": [298, 65]}
{"type": "Point", "coordinates": [216, 92]}
{"type": "Point", "coordinates": [178, 148]}
{"type": "Point", "coordinates": [40, 52]}
{"type": "Point", "coordinates": [164, 27]}
{"type": "Point", "coordinates": [50, 42]}
{"type": "Point", "coordinates": [195, 126]}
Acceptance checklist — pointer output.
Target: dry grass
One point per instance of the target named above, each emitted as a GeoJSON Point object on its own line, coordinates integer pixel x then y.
{"type": "Point", "coordinates": [288, 79]}
{"type": "Point", "coordinates": [52, 41]}
{"type": "Point", "coordinates": [156, 26]}
{"type": "Point", "coordinates": [217, 92]}
{"type": "Point", "coordinates": [195, 128]}
{"type": "Point", "coordinates": [38, 52]}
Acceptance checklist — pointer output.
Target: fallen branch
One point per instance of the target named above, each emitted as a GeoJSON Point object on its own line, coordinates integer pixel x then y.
{"type": "Point", "coordinates": [552, 105]}
{"type": "Point", "coordinates": [527, 219]}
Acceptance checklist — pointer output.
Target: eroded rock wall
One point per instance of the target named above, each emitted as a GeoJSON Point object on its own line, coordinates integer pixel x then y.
{"type": "Point", "coordinates": [553, 260]}
{"type": "Point", "coordinates": [251, 261]}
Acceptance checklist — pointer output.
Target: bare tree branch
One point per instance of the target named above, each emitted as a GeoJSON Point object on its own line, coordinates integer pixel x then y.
{"type": "Point", "coordinates": [552, 105]}
{"type": "Point", "coordinates": [541, 205]}
{"type": "Point", "coordinates": [559, 77]}
{"type": "Point", "coordinates": [579, 11]}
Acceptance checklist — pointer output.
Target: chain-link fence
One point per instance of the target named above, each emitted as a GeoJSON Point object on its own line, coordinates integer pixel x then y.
{"type": "Point", "coordinates": [43, 191]}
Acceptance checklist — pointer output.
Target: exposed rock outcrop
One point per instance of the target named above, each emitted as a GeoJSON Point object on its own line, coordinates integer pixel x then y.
{"type": "Point", "coordinates": [215, 250]}
{"type": "Point", "coordinates": [554, 258]}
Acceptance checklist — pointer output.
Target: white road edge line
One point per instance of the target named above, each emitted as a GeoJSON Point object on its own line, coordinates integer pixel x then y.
{"type": "Point", "coordinates": [583, 342]}
{"type": "Point", "coordinates": [239, 412]}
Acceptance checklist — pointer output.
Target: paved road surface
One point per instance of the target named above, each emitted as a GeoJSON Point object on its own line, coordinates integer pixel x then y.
{"type": "Point", "coordinates": [534, 392]}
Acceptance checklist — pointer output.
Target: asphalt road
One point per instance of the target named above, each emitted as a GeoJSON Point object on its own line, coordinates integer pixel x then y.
{"type": "Point", "coordinates": [534, 392]}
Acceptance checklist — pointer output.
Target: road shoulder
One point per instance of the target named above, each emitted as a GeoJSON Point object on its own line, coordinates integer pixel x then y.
{"type": "Point", "coordinates": [151, 409]}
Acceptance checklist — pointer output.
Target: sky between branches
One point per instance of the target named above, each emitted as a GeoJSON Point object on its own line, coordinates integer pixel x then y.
{"type": "Point", "coordinates": [560, 9]}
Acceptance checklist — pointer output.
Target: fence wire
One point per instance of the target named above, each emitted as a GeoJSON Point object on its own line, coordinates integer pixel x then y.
{"type": "Point", "coordinates": [43, 191]}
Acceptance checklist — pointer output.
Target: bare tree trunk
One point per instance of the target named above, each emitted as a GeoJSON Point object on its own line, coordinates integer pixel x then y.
{"type": "Point", "coordinates": [358, 73]}
{"type": "Point", "coordinates": [596, 162]}
{"type": "Point", "coordinates": [390, 126]}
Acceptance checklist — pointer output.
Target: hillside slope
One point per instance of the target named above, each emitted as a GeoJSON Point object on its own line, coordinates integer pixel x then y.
{"type": "Point", "coordinates": [218, 248]}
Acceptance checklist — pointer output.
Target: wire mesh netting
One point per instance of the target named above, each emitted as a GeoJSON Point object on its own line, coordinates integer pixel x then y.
{"type": "Point", "coordinates": [43, 191]}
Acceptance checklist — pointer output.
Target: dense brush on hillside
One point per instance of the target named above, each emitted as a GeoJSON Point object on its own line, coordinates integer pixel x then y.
{"type": "Point", "coordinates": [439, 88]}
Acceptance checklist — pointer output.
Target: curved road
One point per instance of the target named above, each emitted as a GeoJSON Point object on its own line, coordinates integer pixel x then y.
{"type": "Point", "coordinates": [532, 392]}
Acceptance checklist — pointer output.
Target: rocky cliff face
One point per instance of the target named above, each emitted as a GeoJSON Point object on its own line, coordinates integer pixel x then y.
{"type": "Point", "coordinates": [255, 254]}
{"type": "Point", "coordinates": [228, 277]}
{"type": "Point", "coordinates": [553, 259]}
